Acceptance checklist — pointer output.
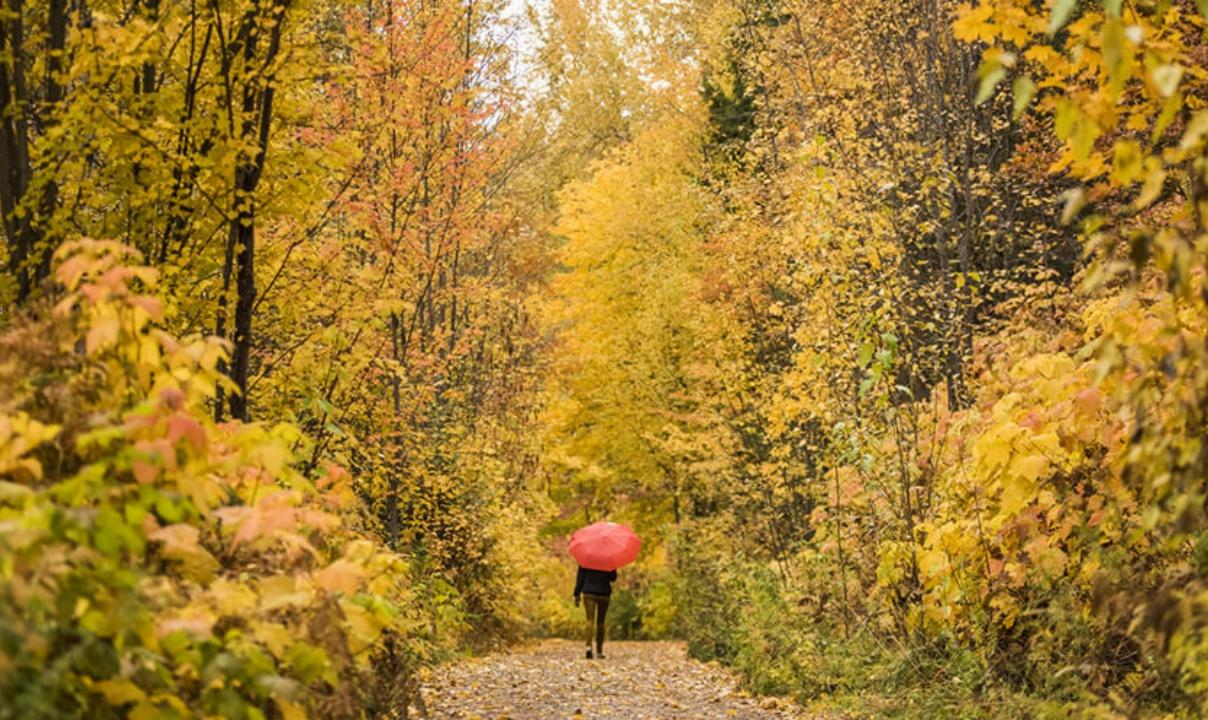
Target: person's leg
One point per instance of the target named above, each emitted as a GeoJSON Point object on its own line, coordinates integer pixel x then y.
{"type": "Point", "coordinates": [590, 609]}
{"type": "Point", "coordinates": [600, 612]}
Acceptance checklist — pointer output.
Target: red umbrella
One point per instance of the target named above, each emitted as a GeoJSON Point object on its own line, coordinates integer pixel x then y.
{"type": "Point", "coordinates": [605, 546]}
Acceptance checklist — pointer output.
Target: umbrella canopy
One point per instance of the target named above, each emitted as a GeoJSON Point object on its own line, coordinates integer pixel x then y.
{"type": "Point", "coordinates": [605, 546]}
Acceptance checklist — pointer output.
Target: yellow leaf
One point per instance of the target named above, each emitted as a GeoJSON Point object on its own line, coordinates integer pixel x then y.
{"type": "Point", "coordinates": [932, 563]}
{"type": "Point", "coordinates": [273, 456]}
{"type": "Point", "coordinates": [1197, 128]}
{"type": "Point", "coordinates": [274, 636]}
{"type": "Point", "coordinates": [1155, 179]}
{"type": "Point", "coordinates": [145, 711]}
{"type": "Point", "coordinates": [120, 692]}
{"type": "Point", "coordinates": [180, 543]}
{"type": "Point", "coordinates": [1029, 467]}
{"type": "Point", "coordinates": [1019, 485]}
{"type": "Point", "coordinates": [290, 710]}
{"type": "Point", "coordinates": [102, 334]}
{"type": "Point", "coordinates": [1126, 162]}
{"type": "Point", "coordinates": [281, 591]}
{"type": "Point", "coordinates": [231, 597]}
{"type": "Point", "coordinates": [364, 626]}
{"type": "Point", "coordinates": [974, 23]}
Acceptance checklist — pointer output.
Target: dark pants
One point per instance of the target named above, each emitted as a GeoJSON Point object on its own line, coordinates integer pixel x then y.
{"type": "Point", "coordinates": [595, 606]}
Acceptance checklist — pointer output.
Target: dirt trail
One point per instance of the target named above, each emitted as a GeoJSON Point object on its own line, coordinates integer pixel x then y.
{"type": "Point", "coordinates": [552, 680]}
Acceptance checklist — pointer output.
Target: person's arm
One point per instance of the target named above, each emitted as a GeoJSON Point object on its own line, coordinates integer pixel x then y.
{"type": "Point", "coordinates": [578, 585]}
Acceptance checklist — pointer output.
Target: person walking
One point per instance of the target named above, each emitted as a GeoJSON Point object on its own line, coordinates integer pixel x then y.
{"type": "Point", "coordinates": [595, 586]}
{"type": "Point", "coordinates": [600, 548]}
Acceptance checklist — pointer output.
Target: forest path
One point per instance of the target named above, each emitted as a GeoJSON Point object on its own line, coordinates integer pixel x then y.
{"type": "Point", "coordinates": [551, 680]}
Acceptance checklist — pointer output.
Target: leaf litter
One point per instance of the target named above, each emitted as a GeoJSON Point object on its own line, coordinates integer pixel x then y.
{"type": "Point", "coordinates": [552, 680]}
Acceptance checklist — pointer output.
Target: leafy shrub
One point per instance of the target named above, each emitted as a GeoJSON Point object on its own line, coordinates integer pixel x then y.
{"type": "Point", "coordinates": [658, 609]}
{"type": "Point", "coordinates": [154, 563]}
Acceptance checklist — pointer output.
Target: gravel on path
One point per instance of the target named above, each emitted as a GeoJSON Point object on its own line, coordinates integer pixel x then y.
{"type": "Point", "coordinates": [551, 680]}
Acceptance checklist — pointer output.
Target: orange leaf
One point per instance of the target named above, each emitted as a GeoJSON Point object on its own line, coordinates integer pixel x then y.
{"type": "Point", "coordinates": [340, 576]}
{"type": "Point", "coordinates": [101, 335]}
{"type": "Point", "coordinates": [181, 425]}
{"type": "Point", "coordinates": [150, 304]}
{"type": "Point", "coordinates": [1089, 400]}
{"type": "Point", "coordinates": [144, 472]}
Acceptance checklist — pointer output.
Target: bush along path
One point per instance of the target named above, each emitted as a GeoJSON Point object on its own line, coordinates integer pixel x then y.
{"type": "Point", "coordinates": [636, 681]}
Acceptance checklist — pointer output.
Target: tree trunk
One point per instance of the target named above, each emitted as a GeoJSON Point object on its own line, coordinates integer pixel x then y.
{"type": "Point", "coordinates": [29, 247]}
{"type": "Point", "coordinates": [257, 112]}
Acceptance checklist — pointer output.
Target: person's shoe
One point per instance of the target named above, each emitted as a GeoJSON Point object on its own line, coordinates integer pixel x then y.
{"type": "Point", "coordinates": [589, 653]}
{"type": "Point", "coordinates": [600, 655]}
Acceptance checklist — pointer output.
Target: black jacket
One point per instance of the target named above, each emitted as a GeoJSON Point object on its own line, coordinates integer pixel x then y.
{"type": "Point", "coordinates": [594, 582]}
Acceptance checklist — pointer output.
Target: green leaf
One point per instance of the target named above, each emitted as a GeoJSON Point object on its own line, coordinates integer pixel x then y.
{"type": "Point", "coordinates": [993, 75]}
{"type": "Point", "coordinates": [170, 511]}
{"type": "Point", "coordinates": [1023, 90]}
{"type": "Point", "coordinates": [110, 532]}
{"type": "Point", "coordinates": [864, 354]}
{"type": "Point", "coordinates": [308, 663]}
{"type": "Point", "coordinates": [1170, 109]}
{"type": "Point", "coordinates": [1116, 54]}
{"type": "Point", "coordinates": [1066, 116]}
{"type": "Point", "coordinates": [1061, 14]}
{"type": "Point", "coordinates": [135, 514]}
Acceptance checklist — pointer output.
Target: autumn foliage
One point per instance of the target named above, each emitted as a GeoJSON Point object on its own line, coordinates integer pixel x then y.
{"type": "Point", "coordinates": [156, 560]}
{"type": "Point", "coordinates": [265, 437]}
{"type": "Point", "coordinates": [883, 323]}
{"type": "Point", "coordinates": [898, 342]}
